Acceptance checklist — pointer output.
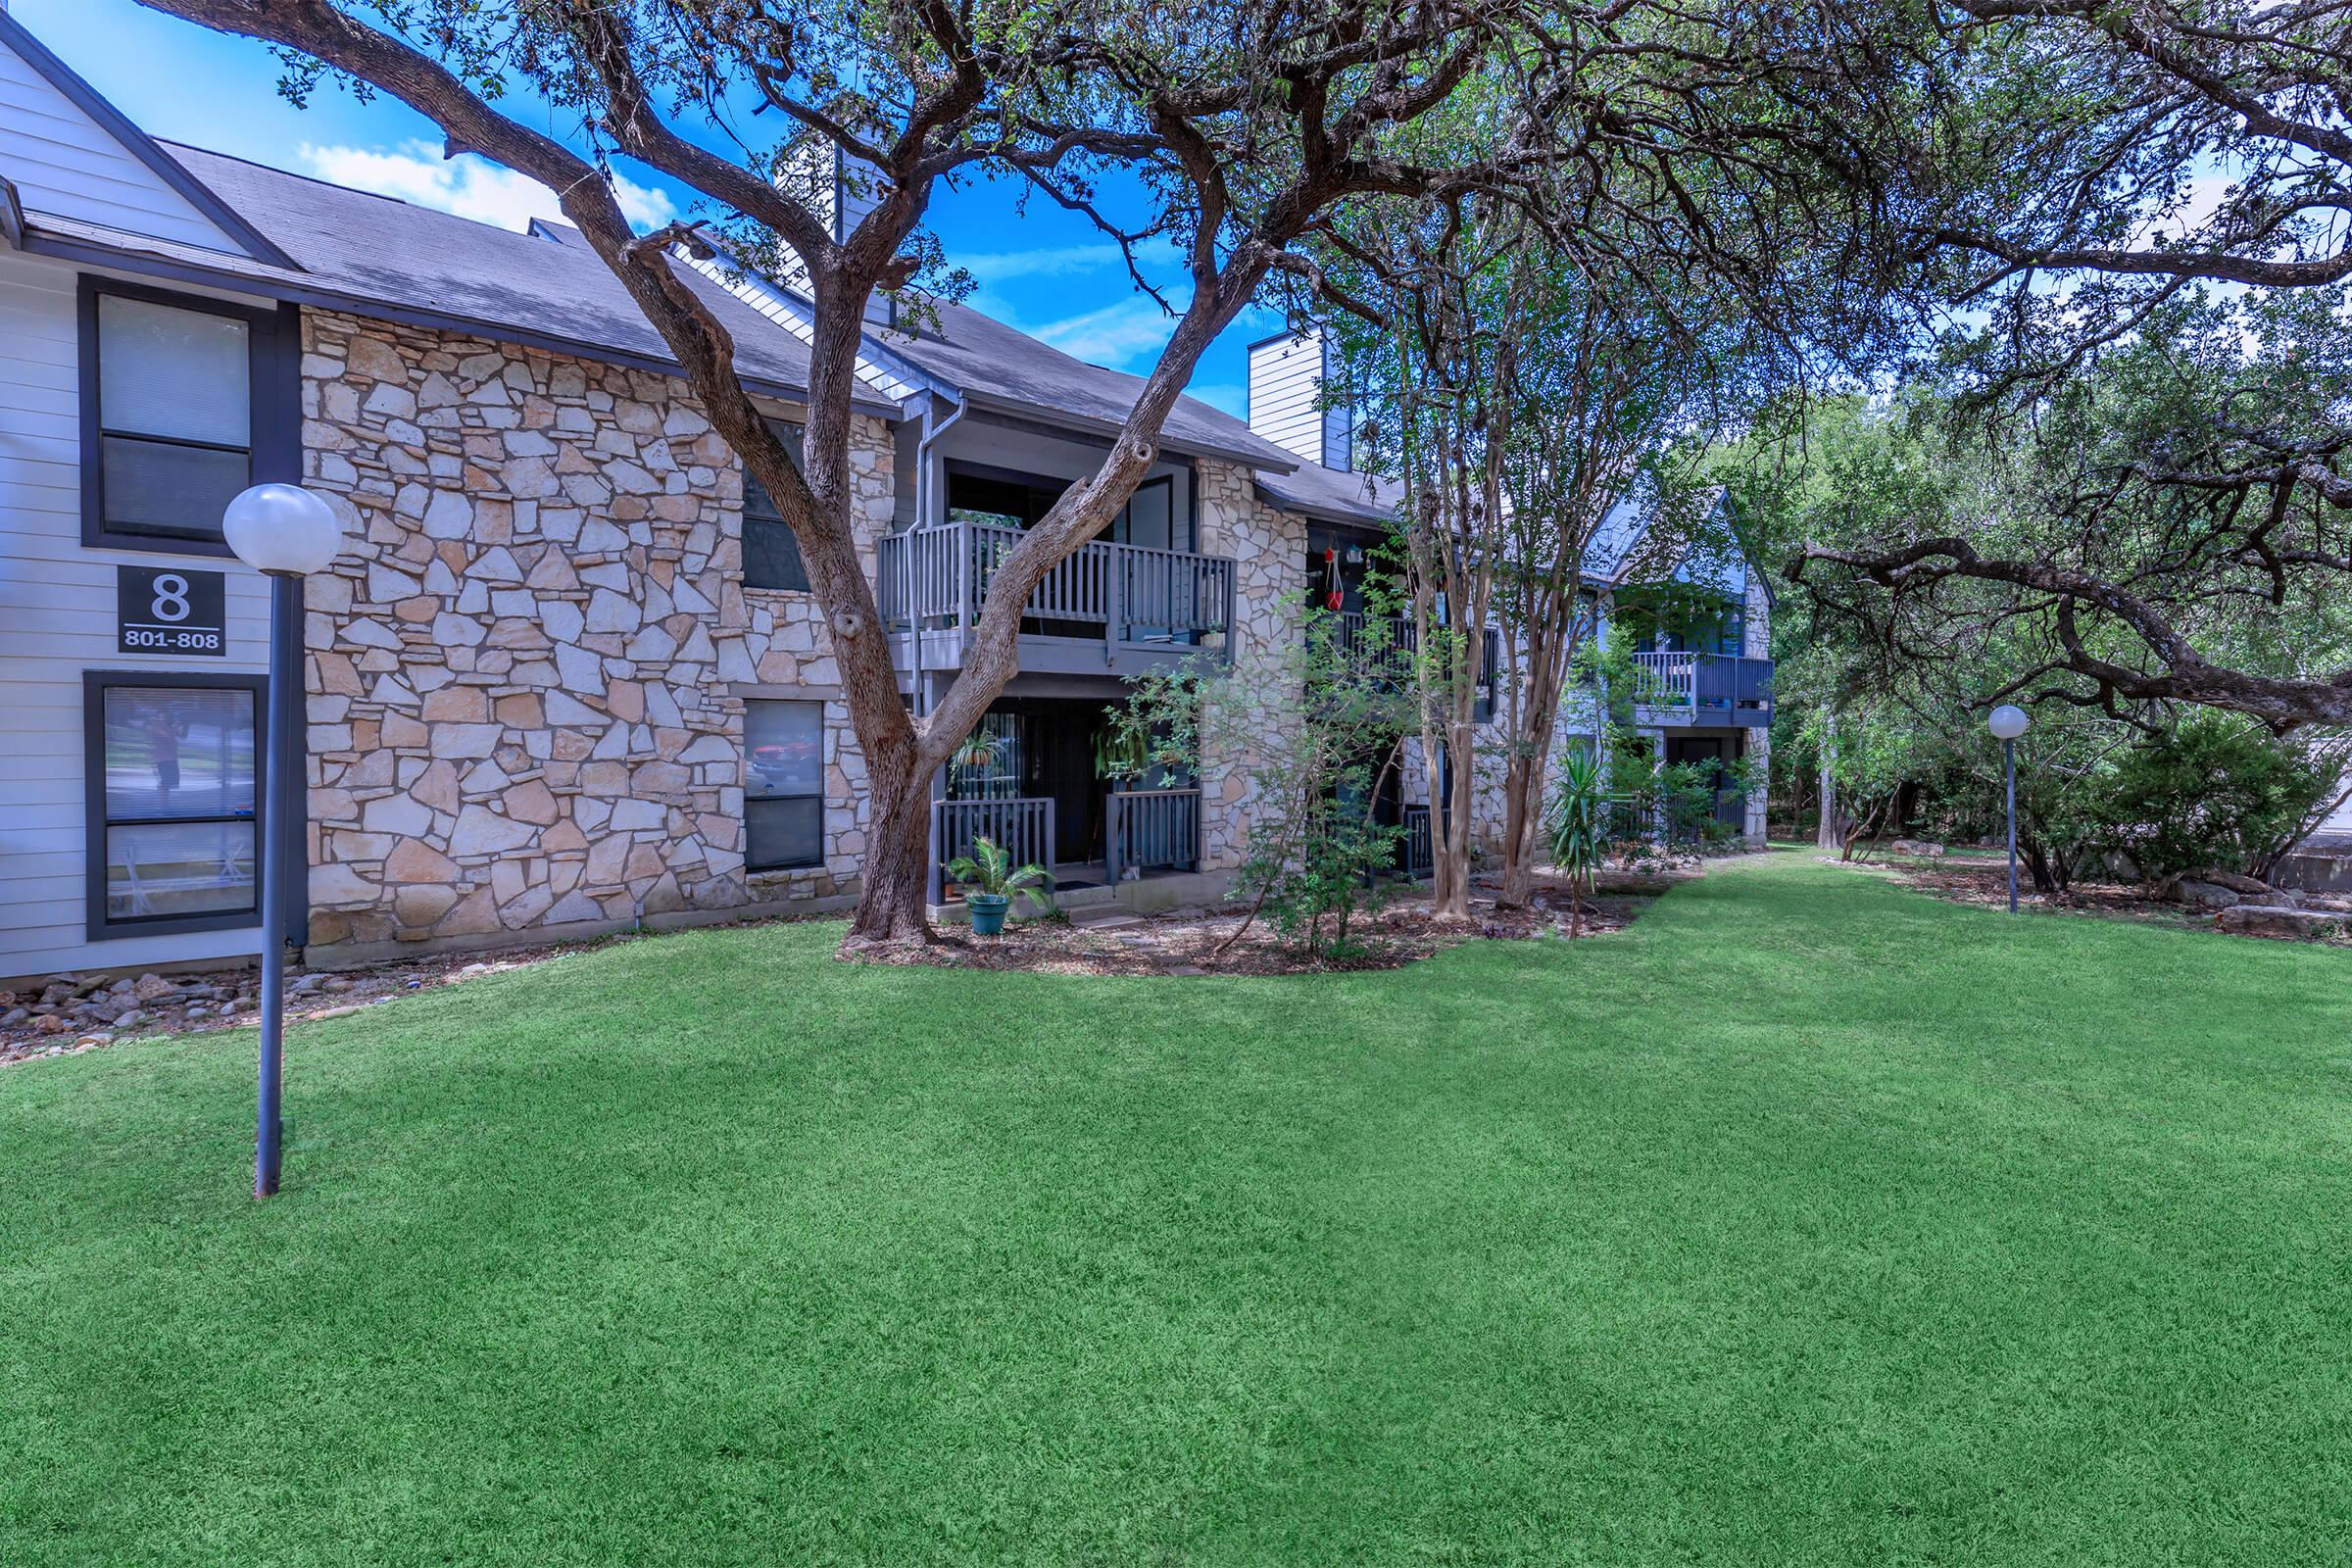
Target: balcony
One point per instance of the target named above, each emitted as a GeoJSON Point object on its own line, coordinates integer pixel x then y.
{"type": "Point", "coordinates": [1396, 638]}
{"type": "Point", "coordinates": [1679, 688]}
{"type": "Point", "coordinates": [1110, 608]}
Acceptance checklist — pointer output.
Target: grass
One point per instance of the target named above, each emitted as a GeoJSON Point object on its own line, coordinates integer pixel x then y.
{"type": "Point", "coordinates": [1810, 1221]}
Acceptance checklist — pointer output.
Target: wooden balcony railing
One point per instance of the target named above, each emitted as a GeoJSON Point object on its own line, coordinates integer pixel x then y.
{"type": "Point", "coordinates": [1730, 687]}
{"type": "Point", "coordinates": [936, 578]}
{"type": "Point", "coordinates": [1386, 643]}
{"type": "Point", "coordinates": [1153, 830]}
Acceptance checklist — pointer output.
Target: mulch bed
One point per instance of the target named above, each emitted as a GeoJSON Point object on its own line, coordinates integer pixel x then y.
{"type": "Point", "coordinates": [69, 1013]}
{"type": "Point", "coordinates": [1188, 942]}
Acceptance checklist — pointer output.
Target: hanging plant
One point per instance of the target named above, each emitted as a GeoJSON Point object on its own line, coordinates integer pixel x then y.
{"type": "Point", "coordinates": [979, 749]}
{"type": "Point", "coordinates": [1120, 752]}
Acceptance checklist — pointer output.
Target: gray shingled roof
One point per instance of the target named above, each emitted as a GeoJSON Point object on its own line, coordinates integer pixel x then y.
{"type": "Point", "coordinates": [995, 364]}
{"type": "Point", "coordinates": [378, 250]}
{"type": "Point", "coordinates": [1330, 493]}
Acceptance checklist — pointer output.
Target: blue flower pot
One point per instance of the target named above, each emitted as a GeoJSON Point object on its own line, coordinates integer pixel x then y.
{"type": "Point", "coordinates": [988, 913]}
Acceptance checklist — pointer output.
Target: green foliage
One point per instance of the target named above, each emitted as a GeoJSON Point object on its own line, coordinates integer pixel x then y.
{"type": "Point", "coordinates": [1580, 825]}
{"type": "Point", "coordinates": [989, 870]}
{"type": "Point", "coordinates": [1320, 721]}
{"type": "Point", "coordinates": [1121, 752]}
{"type": "Point", "coordinates": [1316, 872]}
{"type": "Point", "coordinates": [2213, 791]}
{"type": "Point", "coordinates": [1681, 798]}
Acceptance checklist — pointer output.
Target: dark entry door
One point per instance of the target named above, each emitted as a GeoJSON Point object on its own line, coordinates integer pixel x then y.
{"type": "Point", "coordinates": [1711, 751]}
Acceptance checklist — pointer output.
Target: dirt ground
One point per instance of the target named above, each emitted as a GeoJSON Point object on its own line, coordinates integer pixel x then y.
{"type": "Point", "coordinates": [1982, 879]}
{"type": "Point", "coordinates": [1194, 942]}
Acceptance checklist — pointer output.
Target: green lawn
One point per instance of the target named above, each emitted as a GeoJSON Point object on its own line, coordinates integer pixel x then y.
{"type": "Point", "coordinates": [1810, 1221]}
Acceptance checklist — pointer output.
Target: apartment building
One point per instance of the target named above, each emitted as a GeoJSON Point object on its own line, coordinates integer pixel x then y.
{"type": "Point", "coordinates": [565, 676]}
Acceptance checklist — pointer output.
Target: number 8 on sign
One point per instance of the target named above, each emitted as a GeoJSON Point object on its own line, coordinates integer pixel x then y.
{"type": "Point", "coordinates": [171, 597]}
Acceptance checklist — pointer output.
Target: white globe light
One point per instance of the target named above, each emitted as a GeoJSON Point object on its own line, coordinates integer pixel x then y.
{"type": "Point", "coordinates": [282, 528]}
{"type": "Point", "coordinates": [2008, 721]}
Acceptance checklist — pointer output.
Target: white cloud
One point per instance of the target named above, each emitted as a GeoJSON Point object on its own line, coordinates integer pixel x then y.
{"type": "Point", "coordinates": [1062, 261]}
{"type": "Point", "coordinates": [1054, 261]}
{"type": "Point", "coordinates": [468, 185]}
{"type": "Point", "coordinates": [1118, 334]}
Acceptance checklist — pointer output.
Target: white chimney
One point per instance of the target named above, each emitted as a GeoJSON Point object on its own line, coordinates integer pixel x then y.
{"type": "Point", "coordinates": [1286, 377]}
{"type": "Point", "coordinates": [841, 191]}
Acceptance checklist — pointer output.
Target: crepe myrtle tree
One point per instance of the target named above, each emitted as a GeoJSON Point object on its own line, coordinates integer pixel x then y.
{"type": "Point", "coordinates": [1239, 125]}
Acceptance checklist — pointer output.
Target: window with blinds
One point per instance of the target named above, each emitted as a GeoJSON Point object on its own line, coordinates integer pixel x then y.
{"type": "Point", "coordinates": [175, 802]}
{"type": "Point", "coordinates": [172, 433]}
{"type": "Point", "coordinates": [783, 785]}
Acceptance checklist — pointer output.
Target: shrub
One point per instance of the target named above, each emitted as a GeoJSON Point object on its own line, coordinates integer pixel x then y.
{"type": "Point", "coordinates": [2214, 790]}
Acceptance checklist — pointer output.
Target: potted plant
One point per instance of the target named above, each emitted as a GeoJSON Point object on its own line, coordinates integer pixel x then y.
{"type": "Point", "coordinates": [990, 881]}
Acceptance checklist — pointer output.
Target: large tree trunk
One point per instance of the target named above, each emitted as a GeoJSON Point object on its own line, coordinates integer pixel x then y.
{"type": "Point", "coordinates": [1519, 819]}
{"type": "Point", "coordinates": [1831, 835]}
{"type": "Point", "coordinates": [894, 887]}
{"type": "Point", "coordinates": [895, 882]}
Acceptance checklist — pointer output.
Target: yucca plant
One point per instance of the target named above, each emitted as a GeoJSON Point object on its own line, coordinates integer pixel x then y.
{"type": "Point", "coordinates": [1580, 832]}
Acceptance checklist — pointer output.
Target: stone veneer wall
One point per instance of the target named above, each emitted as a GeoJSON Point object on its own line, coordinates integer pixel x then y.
{"type": "Point", "coordinates": [1270, 548]}
{"type": "Point", "coordinates": [526, 675]}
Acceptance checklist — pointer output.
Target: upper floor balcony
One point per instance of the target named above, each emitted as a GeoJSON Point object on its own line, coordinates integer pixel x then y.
{"type": "Point", "coordinates": [1687, 688]}
{"type": "Point", "coordinates": [1388, 644]}
{"type": "Point", "coordinates": [1109, 609]}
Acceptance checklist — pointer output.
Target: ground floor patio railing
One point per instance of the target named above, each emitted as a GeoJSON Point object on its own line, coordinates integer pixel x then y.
{"type": "Point", "coordinates": [1023, 825]}
{"type": "Point", "coordinates": [1153, 830]}
{"type": "Point", "coordinates": [1419, 854]}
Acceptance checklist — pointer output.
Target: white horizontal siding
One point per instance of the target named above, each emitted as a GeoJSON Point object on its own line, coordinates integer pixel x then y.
{"type": "Point", "coordinates": [57, 620]}
{"type": "Point", "coordinates": [66, 163]}
{"type": "Point", "coordinates": [1285, 381]}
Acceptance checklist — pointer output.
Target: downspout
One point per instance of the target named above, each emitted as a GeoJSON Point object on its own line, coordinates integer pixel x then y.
{"type": "Point", "coordinates": [933, 429]}
{"type": "Point", "coordinates": [924, 487]}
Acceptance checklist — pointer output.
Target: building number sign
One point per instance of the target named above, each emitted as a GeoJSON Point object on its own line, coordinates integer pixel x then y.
{"type": "Point", "coordinates": [169, 609]}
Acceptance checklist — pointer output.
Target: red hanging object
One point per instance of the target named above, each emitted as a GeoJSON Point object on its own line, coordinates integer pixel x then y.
{"type": "Point", "coordinates": [1333, 596]}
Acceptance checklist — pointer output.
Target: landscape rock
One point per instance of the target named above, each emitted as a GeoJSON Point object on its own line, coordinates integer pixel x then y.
{"type": "Point", "coordinates": [2280, 921]}
{"type": "Point", "coordinates": [1925, 849]}
{"type": "Point", "coordinates": [2199, 894]}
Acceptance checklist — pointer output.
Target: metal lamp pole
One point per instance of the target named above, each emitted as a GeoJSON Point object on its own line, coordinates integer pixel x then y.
{"type": "Point", "coordinates": [285, 532]}
{"type": "Point", "coordinates": [2008, 722]}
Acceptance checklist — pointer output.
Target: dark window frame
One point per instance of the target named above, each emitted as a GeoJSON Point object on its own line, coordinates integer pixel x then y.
{"type": "Point", "coordinates": [749, 866]}
{"type": "Point", "coordinates": [274, 450]}
{"type": "Point", "coordinates": [97, 925]}
{"type": "Point", "coordinates": [791, 435]}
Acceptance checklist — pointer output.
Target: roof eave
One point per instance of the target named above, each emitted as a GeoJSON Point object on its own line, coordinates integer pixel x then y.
{"type": "Point", "coordinates": [147, 264]}
{"type": "Point", "coordinates": [996, 402]}
{"type": "Point", "coordinates": [1370, 518]}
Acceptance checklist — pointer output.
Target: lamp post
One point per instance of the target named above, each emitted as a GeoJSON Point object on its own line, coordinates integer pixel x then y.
{"type": "Point", "coordinates": [284, 532]}
{"type": "Point", "coordinates": [2008, 722]}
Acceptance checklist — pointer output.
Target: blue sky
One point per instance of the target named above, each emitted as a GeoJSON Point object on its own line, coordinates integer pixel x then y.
{"type": "Point", "coordinates": [1044, 270]}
